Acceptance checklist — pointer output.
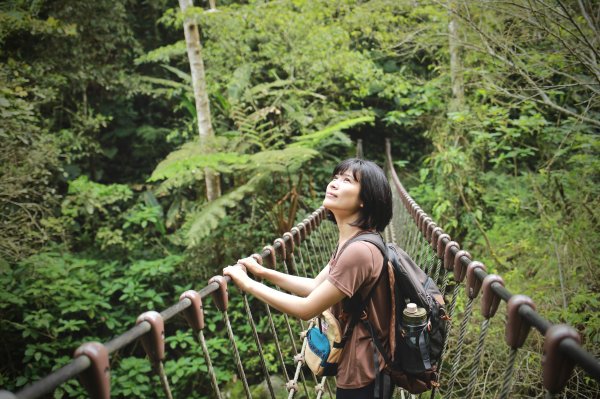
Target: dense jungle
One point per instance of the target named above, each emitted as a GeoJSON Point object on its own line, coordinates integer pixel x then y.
{"type": "Point", "coordinates": [121, 186]}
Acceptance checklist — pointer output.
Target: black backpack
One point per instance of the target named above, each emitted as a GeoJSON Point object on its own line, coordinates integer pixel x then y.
{"type": "Point", "coordinates": [415, 360]}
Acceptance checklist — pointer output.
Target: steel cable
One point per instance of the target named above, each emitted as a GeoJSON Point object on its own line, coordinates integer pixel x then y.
{"type": "Point", "coordinates": [422, 257]}
{"type": "Point", "coordinates": [438, 269]}
{"type": "Point", "coordinates": [467, 316]}
{"type": "Point", "coordinates": [477, 358]}
{"type": "Point", "coordinates": [445, 283]}
{"type": "Point", "coordinates": [277, 343]}
{"type": "Point", "coordinates": [309, 258]}
{"type": "Point", "coordinates": [411, 248]}
{"type": "Point", "coordinates": [291, 335]}
{"type": "Point", "coordinates": [164, 382]}
{"type": "Point", "coordinates": [211, 370]}
{"type": "Point", "coordinates": [453, 300]}
{"type": "Point", "coordinates": [314, 251]}
{"type": "Point", "coordinates": [461, 339]}
{"type": "Point", "coordinates": [507, 381]}
{"type": "Point", "coordinates": [236, 354]}
{"type": "Point", "coordinates": [299, 360]}
{"type": "Point", "coordinates": [302, 264]}
{"type": "Point", "coordinates": [330, 235]}
{"type": "Point", "coordinates": [258, 345]}
{"type": "Point", "coordinates": [418, 243]}
{"type": "Point", "coordinates": [317, 246]}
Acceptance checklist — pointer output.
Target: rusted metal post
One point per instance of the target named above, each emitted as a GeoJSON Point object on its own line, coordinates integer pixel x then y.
{"type": "Point", "coordinates": [96, 378]}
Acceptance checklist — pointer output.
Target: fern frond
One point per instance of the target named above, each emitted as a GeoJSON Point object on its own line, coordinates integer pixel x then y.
{"type": "Point", "coordinates": [266, 89]}
{"type": "Point", "coordinates": [287, 160]}
{"type": "Point", "coordinates": [163, 54]}
{"type": "Point", "coordinates": [201, 223]}
{"type": "Point", "coordinates": [239, 82]}
{"type": "Point", "coordinates": [186, 178]}
{"type": "Point", "coordinates": [311, 140]}
{"type": "Point", "coordinates": [260, 166]}
{"type": "Point", "coordinates": [165, 82]}
{"type": "Point", "coordinates": [186, 77]}
{"type": "Point", "coordinates": [176, 163]}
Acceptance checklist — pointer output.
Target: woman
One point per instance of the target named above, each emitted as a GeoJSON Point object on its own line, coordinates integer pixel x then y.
{"type": "Point", "coordinates": [358, 200]}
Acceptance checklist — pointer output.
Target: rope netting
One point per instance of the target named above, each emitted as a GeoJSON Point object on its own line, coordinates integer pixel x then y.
{"type": "Point", "coordinates": [461, 280]}
{"type": "Point", "coordinates": [304, 251]}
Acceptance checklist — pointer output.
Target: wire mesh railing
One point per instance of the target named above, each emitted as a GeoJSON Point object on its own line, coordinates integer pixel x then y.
{"type": "Point", "coordinates": [457, 273]}
{"type": "Point", "coordinates": [305, 250]}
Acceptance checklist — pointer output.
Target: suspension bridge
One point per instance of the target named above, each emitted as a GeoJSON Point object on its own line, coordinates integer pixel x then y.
{"type": "Point", "coordinates": [303, 251]}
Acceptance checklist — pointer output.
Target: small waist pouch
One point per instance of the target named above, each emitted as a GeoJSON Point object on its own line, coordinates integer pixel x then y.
{"type": "Point", "coordinates": [324, 345]}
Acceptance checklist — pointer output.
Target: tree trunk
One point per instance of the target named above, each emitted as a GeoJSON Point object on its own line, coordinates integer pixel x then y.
{"type": "Point", "coordinates": [456, 70]}
{"type": "Point", "coordinates": [194, 50]}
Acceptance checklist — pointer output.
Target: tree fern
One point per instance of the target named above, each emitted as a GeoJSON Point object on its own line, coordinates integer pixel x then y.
{"type": "Point", "coordinates": [200, 223]}
{"type": "Point", "coordinates": [260, 166]}
{"type": "Point", "coordinates": [163, 54]}
{"type": "Point", "coordinates": [313, 139]}
{"type": "Point", "coordinates": [184, 76]}
{"type": "Point", "coordinates": [265, 117]}
{"type": "Point", "coordinates": [277, 161]}
{"type": "Point", "coordinates": [186, 165]}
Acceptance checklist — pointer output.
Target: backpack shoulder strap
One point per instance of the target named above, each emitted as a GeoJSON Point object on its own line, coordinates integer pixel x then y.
{"type": "Point", "coordinates": [356, 306]}
{"type": "Point", "coordinates": [375, 239]}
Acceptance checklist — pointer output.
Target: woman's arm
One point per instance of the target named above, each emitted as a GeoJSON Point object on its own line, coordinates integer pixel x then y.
{"type": "Point", "coordinates": [321, 298]}
{"type": "Point", "coordinates": [301, 286]}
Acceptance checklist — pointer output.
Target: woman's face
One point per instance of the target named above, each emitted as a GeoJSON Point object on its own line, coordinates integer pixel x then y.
{"type": "Point", "coordinates": [343, 194]}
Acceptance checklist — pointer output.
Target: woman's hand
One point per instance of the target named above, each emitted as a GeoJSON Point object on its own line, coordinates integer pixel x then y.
{"type": "Point", "coordinates": [239, 276]}
{"type": "Point", "coordinates": [252, 266]}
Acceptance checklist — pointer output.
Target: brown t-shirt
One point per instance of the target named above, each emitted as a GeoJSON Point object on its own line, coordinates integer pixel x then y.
{"type": "Point", "coordinates": [356, 269]}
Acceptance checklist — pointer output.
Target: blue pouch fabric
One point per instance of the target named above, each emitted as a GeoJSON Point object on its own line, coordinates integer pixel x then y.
{"type": "Point", "coordinates": [323, 350]}
{"type": "Point", "coordinates": [319, 344]}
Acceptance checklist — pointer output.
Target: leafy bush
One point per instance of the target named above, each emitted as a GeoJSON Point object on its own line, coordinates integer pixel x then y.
{"type": "Point", "coordinates": [55, 300]}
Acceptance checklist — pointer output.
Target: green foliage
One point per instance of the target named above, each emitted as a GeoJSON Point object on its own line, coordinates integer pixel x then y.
{"type": "Point", "coordinates": [108, 217]}
{"type": "Point", "coordinates": [203, 222]}
{"type": "Point", "coordinates": [99, 153]}
{"type": "Point", "coordinates": [85, 197]}
{"type": "Point", "coordinates": [513, 181]}
{"type": "Point", "coordinates": [312, 140]}
{"type": "Point", "coordinates": [53, 301]}
{"type": "Point", "coordinates": [143, 216]}
{"type": "Point", "coordinates": [186, 165]}
{"type": "Point", "coordinates": [30, 159]}
{"type": "Point", "coordinates": [182, 167]}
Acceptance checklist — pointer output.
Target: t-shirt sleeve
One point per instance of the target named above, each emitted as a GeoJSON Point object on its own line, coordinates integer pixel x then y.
{"type": "Point", "coordinates": [353, 267]}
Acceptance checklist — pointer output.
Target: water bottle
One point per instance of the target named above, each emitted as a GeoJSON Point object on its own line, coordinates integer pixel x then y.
{"type": "Point", "coordinates": [415, 339]}
{"type": "Point", "coordinates": [414, 316]}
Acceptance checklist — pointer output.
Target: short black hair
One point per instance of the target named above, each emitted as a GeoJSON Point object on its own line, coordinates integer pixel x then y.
{"type": "Point", "coordinates": [375, 193]}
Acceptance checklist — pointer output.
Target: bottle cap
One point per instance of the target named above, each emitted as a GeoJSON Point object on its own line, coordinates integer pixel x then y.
{"type": "Point", "coordinates": [414, 315]}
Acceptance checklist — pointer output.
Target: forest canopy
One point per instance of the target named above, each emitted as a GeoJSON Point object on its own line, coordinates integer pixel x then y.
{"type": "Point", "coordinates": [492, 109]}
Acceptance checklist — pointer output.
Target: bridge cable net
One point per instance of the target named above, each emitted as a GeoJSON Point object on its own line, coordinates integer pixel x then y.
{"type": "Point", "coordinates": [459, 275]}
{"type": "Point", "coordinates": [304, 250]}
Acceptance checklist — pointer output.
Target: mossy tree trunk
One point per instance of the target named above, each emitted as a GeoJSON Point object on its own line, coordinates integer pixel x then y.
{"type": "Point", "coordinates": [194, 51]}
